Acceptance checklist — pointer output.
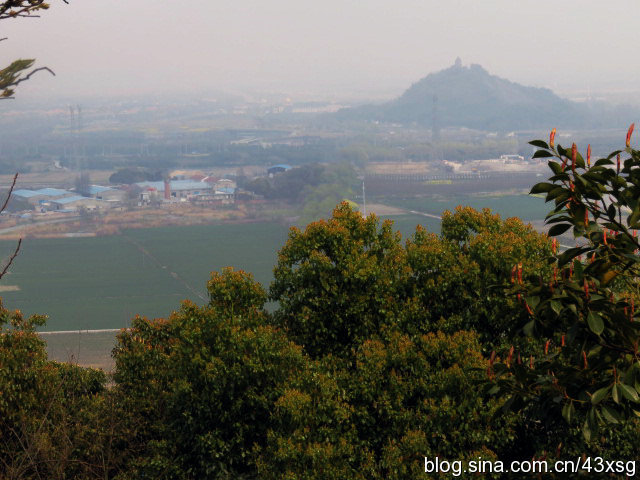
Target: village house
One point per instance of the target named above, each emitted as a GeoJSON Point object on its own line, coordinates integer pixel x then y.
{"type": "Point", "coordinates": [77, 202]}
{"type": "Point", "coordinates": [108, 194]}
{"type": "Point", "coordinates": [172, 190]}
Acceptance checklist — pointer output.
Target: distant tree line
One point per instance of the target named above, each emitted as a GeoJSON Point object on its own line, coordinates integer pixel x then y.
{"type": "Point", "coordinates": [134, 175]}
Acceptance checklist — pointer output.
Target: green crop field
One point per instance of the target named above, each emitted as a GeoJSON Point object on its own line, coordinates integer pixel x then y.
{"type": "Point", "coordinates": [102, 282]}
{"type": "Point", "coordinates": [526, 207]}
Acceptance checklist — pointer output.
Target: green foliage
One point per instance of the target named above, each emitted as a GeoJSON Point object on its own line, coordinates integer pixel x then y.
{"type": "Point", "coordinates": [205, 384]}
{"type": "Point", "coordinates": [134, 175]}
{"type": "Point", "coordinates": [402, 399]}
{"type": "Point", "coordinates": [336, 282]}
{"type": "Point", "coordinates": [317, 187]}
{"type": "Point", "coordinates": [10, 76]}
{"type": "Point", "coordinates": [336, 186]}
{"type": "Point", "coordinates": [589, 370]}
{"type": "Point", "coordinates": [23, 358]}
{"type": "Point", "coordinates": [17, 71]}
{"type": "Point", "coordinates": [313, 435]}
{"type": "Point", "coordinates": [46, 409]}
{"type": "Point", "coordinates": [413, 397]}
{"type": "Point", "coordinates": [457, 276]}
{"type": "Point", "coordinates": [21, 8]}
{"type": "Point", "coordinates": [234, 293]}
{"type": "Point", "coordinates": [288, 185]}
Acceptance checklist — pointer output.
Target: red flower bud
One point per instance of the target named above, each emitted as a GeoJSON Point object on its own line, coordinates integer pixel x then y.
{"type": "Point", "coordinates": [589, 155]}
{"type": "Point", "coordinates": [564, 163]}
{"type": "Point", "coordinates": [520, 273]}
{"type": "Point", "coordinates": [629, 132]}
{"type": "Point", "coordinates": [562, 344]}
{"type": "Point", "coordinates": [574, 155]}
{"type": "Point", "coordinates": [552, 138]}
{"type": "Point", "coordinates": [546, 347]}
{"type": "Point", "coordinates": [529, 311]}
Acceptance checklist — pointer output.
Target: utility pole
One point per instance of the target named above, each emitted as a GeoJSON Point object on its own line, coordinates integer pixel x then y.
{"type": "Point", "coordinates": [364, 201]}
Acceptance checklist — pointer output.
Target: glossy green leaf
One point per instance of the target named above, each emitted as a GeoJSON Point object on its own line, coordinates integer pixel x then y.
{"type": "Point", "coordinates": [595, 323]}
{"type": "Point", "coordinates": [628, 392]}
{"type": "Point", "coordinates": [539, 143]}
{"type": "Point", "coordinates": [611, 415]}
{"type": "Point", "coordinates": [600, 395]}
{"type": "Point", "coordinates": [559, 229]}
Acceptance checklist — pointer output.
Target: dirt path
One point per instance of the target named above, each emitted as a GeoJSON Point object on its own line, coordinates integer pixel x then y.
{"type": "Point", "coordinates": [424, 214]}
{"type": "Point", "coordinates": [37, 223]}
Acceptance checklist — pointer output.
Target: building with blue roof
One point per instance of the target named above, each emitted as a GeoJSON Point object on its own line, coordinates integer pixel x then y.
{"type": "Point", "coordinates": [54, 192]}
{"type": "Point", "coordinates": [281, 167]}
{"type": "Point", "coordinates": [96, 189]}
{"type": "Point", "coordinates": [24, 193]}
{"type": "Point", "coordinates": [108, 194]}
{"type": "Point", "coordinates": [41, 196]}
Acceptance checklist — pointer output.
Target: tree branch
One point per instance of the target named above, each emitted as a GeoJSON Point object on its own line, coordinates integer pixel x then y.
{"type": "Point", "coordinates": [11, 258]}
{"type": "Point", "coordinates": [6, 200]}
{"type": "Point", "coordinates": [28, 75]}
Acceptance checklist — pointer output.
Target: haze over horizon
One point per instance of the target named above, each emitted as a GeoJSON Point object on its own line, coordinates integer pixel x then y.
{"type": "Point", "coordinates": [333, 48]}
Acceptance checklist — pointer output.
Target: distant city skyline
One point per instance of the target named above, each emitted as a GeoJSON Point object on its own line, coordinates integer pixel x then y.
{"type": "Point", "coordinates": [332, 48]}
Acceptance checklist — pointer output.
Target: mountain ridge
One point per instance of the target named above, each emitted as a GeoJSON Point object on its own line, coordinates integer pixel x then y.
{"type": "Point", "coordinates": [471, 97]}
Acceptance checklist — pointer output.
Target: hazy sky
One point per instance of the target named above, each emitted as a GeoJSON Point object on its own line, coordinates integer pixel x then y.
{"type": "Point", "coordinates": [342, 46]}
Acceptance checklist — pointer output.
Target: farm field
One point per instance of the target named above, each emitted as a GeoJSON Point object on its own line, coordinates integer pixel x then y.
{"type": "Point", "coordinates": [527, 207]}
{"type": "Point", "coordinates": [102, 282]}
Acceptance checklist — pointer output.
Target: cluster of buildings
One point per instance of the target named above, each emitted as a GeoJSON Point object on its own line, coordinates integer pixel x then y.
{"type": "Point", "coordinates": [56, 199]}
{"type": "Point", "coordinates": [206, 190]}
{"type": "Point", "coordinates": [96, 197]}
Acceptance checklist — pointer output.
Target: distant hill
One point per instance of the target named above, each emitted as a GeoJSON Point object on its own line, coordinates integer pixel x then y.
{"type": "Point", "coordinates": [471, 97]}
